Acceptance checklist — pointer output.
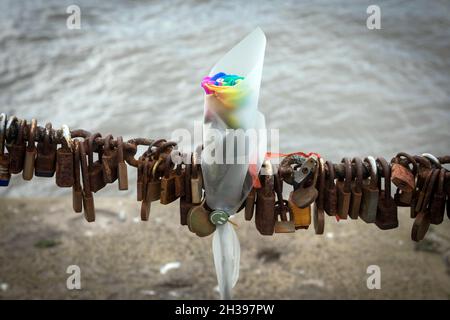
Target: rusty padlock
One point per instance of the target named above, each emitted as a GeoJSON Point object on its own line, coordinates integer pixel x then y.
{"type": "Point", "coordinates": [423, 171]}
{"type": "Point", "coordinates": [288, 173]}
{"type": "Point", "coordinates": [343, 187]}
{"type": "Point", "coordinates": [446, 160]}
{"type": "Point", "coordinates": [198, 220]}
{"type": "Point", "coordinates": [17, 149]}
{"type": "Point", "coordinates": [330, 201]}
{"type": "Point", "coordinates": [88, 197]}
{"type": "Point", "coordinates": [186, 200]}
{"type": "Point", "coordinates": [447, 183]}
{"type": "Point", "coordinates": [168, 192]}
{"type": "Point", "coordinates": [154, 182]}
{"type": "Point", "coordinates": [420, 226]}
{"type": "Point", "coordinates": [96, 180]}
{"type": "Point", "coordinates": [77, 194]}
{"type": "Point", "coordinates": [437, 204]}
{"type": "Point", "coordinates": [422, 219]}
{"type": "Point", "coordinates": [140, 179]}
{"type": "Point", "coordinates": [305, 192]}
{"type": "Point", "coordinates": [387, 209]}
{"type": "Point", "coordinates": [30, 152]}
{"type": "Point", "coordinates": [45, 164]}
{"type": "Point", "coordinates": [421, 193]}
{"type": "Point", "coordinates": [404, 178]}
{"type": "Point", "coordinates": [319, 213]}
{"type": "Point", "coordinates": [250, 204]}
{"type": "Point", "coordinates": [5, 174]}
{"type": "Point", "coordinates": [146, 202]}
{"type": "Point", "coordinates": [122, 170]}
{"type": "Point", "coordinates": [64, 161]}
{"type": "Point", "coordinates": [180, 173]}
{"type": "Point", "coordinates": [434, 160]}
{"type": "Point", "coordinates": [370, 193]}
{"type": "Point", "coordinates": [282, 223]}
{"type": "Point", "coordinates": [265, 202]}
{"type": "Point", "coordinates": [196, 181]}
{"type": "Point", "coordinates": [110, 160]}
{"type": "Point", "coordinates": [355, 201]}
{"type": "Point", "coordinates": [145, 210]}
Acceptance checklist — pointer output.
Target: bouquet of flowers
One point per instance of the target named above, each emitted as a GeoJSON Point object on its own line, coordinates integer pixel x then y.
{"type": "Point", "coordinates": [234, 141]}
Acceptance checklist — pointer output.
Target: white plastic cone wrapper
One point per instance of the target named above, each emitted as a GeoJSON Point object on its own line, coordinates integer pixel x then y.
{"type": "Point", "coordinates": [231, 118]}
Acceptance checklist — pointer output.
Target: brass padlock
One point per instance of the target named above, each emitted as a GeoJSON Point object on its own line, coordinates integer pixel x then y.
{"type": "Point", "coordinates": [330, 199]}
{"type": "Point", "coordinates": [186, 200]}
{"type": "Point", "coordinates": [318, 212]}
{"type": "Point", "coordinates": [387, 209]}
{"type": "Point", "coordinates": [30, 152]}
{"type": "Point", "coordinates": [198, 220]}
{"type": "Point", "coordinates": [283, 224]}
{"type": "Point", "coordinates": [64, 161]}
{"type": "Point", "coordinates": [306, 193]}
{"type": "Point", "coordinates": [17, 149]}
{"type": "Point", "coordinates": [370, 193]}
{"type": "Point", "coordinates": [110, 160]}
{"type": "Point", "coordinates": [437, 204]}
{"type": "Point", "coordinates": [5, 174]}
{"type": "Point", "coordinates": [45, 164]}
{"type": "Point", "coordinates": [154, 184]}
{"type": "Point", "coordinates": [122, 170]}
{"type": "Point", "coordinates": [265, 202]}
{"type": "Point", "coordinates": [301, 216]}
{"type": "Point", "coordinates": [88, 197]}
{"type": "Point", "coordinates": [250, 204]}
{"type": "Point", "coordinates": [96, 180]}
{"type": "Point", "coordinates": [77, 194]}
{"type": "Point", "coordinates": [355, 201]}
{"type": "Point", "coordinates": [343, 187]}
{"type": "Point", "coordinates": [168, 193]}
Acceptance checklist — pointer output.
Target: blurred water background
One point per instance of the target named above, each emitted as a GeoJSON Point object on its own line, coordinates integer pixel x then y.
{"type": "Point", "coordinates": [329, 84]}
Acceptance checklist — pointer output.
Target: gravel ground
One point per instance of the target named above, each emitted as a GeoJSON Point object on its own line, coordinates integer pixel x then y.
{"type": "Point", "coordinates": [123, 258]}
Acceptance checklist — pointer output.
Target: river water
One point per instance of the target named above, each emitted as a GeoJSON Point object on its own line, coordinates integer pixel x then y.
{"type": "Point", "coordinates": [330, 84]}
